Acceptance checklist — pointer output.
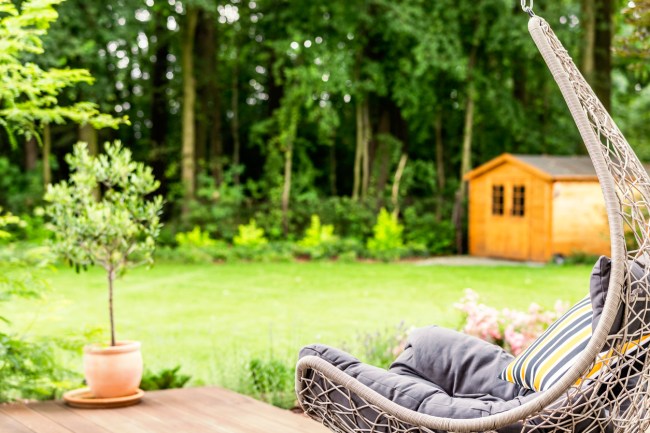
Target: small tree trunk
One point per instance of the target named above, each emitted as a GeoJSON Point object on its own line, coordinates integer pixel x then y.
{"type": "Point", "coordinates": [333, 190]}
{"type": "Point", "coordinates": [88, 135]}
{"type": "Point", "coordinates": [234, 124]}
{"type": "Point", "coordinates": [396, 181]}
{"type": "Point", "coordinates": [47, 151]}
{"type": "Point", "coordinates": [188, 163]}
{"type": "Point", "coordinates": [466, 158]}
{"type": "Point", "coordinates": [440, 166]}
{"type": "Point", "coordinates": [286, 189]}
{"type": "Point", "coordinates": [365, 143]}
{"type": "Point", "coordinates": [159, 110]}
{"type": "Point", "coordinates": [383, 156]}
{"type": "Point", "coordinates": [603, 52]}
{"type": "Point", "coordinates": [31, 153]}
{"type": "Point", "coordinates": [358, 155]}
{"type": "Point", "coordinates": [111, 278]}
{"type": "Point", "coordinates": [588, 21]}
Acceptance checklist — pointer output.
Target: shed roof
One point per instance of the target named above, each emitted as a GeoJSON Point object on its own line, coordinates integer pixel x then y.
{"type": "Point", "coordinates": [551, 167]}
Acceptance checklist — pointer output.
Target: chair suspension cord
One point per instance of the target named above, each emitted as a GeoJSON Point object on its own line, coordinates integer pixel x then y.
{"type": "Point", "coordinates": [528, 8]}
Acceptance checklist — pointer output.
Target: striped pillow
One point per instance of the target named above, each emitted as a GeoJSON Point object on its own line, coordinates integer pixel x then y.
{"type": "Point", "coordinates": [554, 352]}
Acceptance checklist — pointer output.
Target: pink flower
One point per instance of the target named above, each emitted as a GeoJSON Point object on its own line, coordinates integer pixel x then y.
{"type": "Point", "coordinates": [511, 329]}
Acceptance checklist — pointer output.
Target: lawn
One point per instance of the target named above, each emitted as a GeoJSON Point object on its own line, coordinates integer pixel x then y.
{"type": "Point", "coordinates": [211, 319]}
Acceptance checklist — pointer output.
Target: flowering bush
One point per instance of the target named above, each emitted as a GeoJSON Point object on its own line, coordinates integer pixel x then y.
{"type": "Point", "coordinates": [511, 329]}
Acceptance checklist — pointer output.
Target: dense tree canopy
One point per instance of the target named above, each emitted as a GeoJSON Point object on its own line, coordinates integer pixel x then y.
{"type": "Point", "coordinates": [280, 109]}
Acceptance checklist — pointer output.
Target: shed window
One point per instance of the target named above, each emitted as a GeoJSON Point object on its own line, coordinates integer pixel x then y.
{"type": "Point", "coordinates": [497, 199]}
{"type": "Point", "coordinates": [518, 200]}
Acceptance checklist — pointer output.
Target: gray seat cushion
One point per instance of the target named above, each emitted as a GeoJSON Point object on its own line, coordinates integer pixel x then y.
{"type": "Point", "coordinates": [441, 372]}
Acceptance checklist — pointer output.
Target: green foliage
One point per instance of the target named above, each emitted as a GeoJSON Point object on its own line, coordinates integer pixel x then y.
{"type": "Point", "coordinates": [167, 378]}
{"type": "Point", "coordinates": [217, 204]}
{"type": "Point", "coordinates": [195, 238]}
{"type": "Point", "coordinates": [29, 93]}
{"type": "Point", "coordinates": [387, 242]}
{"type": "Point", "coordinates": [29, 367]}
{"type": "Point", "coordinates": [20, 191]}
{"type": "Point", "coordinates": [272, 380]}
{"type": "Point", "coordinates": [436, 237]}
{"type": "Point", "coordinates": [380, 348]}
{"type": "Point", "coordinates": [319, 240]}
{"type": "Point", "coordinates": [117, 231]}
{"type": "Point", "coordinates": [250, 236]}
{"type": "Point", "coordinates": [195, 246]}
{"type": "Point", "coordinates": [317, 234]}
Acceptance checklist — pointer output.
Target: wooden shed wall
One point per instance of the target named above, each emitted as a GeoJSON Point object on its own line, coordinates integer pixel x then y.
{"type": "Point", "coordinates": [506, 236]}
{"type": "Point", "coordinates": [579, 219]}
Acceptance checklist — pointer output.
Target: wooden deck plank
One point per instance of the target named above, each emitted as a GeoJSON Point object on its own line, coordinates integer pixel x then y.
{"type": "Point", "coordinates": [230, 416]}
{"type": "Point", "coordinates": [8, 424]}
{"type": "Point", "coordinates": [34, 420]}
{"type": "Point", "coordinates": [112, 420]}
{"type": "Point", "coordinates": [216, 424]}
{"type": "Point", "coordinates": [196, 410]}
{"type": "Point", "coordinates": [58, 412]}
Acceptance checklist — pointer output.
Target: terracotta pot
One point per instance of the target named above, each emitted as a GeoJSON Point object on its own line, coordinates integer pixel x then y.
{"type": "Point", "coordinates": [113, 371]}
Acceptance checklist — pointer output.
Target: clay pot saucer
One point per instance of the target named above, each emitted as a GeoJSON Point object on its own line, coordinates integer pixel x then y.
{"type": "Point", "coordinates": [82, 398]}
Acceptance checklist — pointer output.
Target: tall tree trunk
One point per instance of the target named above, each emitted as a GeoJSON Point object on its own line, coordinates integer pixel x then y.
{"type": "Point", "coordinates": [188, 163]}
{"type": "Point", "coordinates": [47, 151]}
{"type": "Point", "coordinates": [216, 135]}
{"type": "Point", "coordinates": [383, 155]}
{"type": "Point", "coordinates": [159, 104]}
{"type": "Point", "coordinates": [466, 157]}
{"type": "Point", "coordinates": [396, 182]}
{"type": "Point", "coordinates": [440, 166]}
{"type": "Point", "coordinates": [88, 135]}
{"type": "Point", "coordinates": [332, 176]}
{"type": "Point", "coordinates": [365, 149]}
{"type": "Point", "coordinates": [358, 154]}
{"type": "Point", "coordinates": [31, 153]}
{"type": "Point", "coordinates": [588, 21]}
{"type": "Point", "coordinates": [234, 124]}
{"type": "Point", "coordinates": [209, 138]}
{"type": "Point", "coordinates": [603, 52]}
{"type": "Point", "coordinates": [286, 188]}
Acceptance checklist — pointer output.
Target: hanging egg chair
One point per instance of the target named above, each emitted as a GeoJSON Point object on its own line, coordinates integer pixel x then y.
{"type": "Point", "coordinates": [605, 386]}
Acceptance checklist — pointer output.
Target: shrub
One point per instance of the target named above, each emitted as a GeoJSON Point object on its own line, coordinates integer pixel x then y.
{"type": "Point", "coordinates": [382, 347]}
{"type": "Point", "coordinates": [437, 237]}
{"type": "Point", "coordinates": [273, 381]}
{"type": "Point", "coordinates": [511, 329]}
{"type": "Point", "coordinates": [29, 367]}
{"type": "Point", "coordinates": [319, 240]}
{"type": "Point", "coordinates": [387, 243]}
{"type": "Point", "coordinates": [167, 378]}
{"type": "Point", "coordinates": [223, 204]}
{"type": "Point", "coordinates": [196, 238]}
{"type": "Point", "coordinates": [250, 235]}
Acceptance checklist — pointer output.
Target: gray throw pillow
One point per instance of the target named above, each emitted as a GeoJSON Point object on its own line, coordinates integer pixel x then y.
{"type": "Point", "coordinates": [639, 279]}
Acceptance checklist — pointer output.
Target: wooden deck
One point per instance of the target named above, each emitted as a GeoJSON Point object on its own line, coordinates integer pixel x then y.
{"type": "Point", "coordinates": [192, 410]}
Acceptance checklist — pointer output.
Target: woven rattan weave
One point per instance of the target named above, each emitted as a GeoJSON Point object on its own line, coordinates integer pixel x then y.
{"type": "Point", "coordinates": [614, 401]}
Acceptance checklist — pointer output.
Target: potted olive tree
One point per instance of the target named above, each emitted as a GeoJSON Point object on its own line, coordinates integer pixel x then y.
{"type": "Point", "coordinates": [102, 216]}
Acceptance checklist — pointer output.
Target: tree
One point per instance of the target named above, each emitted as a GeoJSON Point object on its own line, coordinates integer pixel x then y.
{"type": "Point", "coordinates": [117, 232]}
{"type": "Point", "coordinates": [29, 99]}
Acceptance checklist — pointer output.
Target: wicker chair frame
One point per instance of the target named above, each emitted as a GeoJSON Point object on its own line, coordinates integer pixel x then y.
{"type": "Point", "coordinates": [617, 399]}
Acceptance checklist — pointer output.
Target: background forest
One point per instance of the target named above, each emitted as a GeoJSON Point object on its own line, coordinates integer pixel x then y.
{"type": "Point", "coordinates": [277, 110]}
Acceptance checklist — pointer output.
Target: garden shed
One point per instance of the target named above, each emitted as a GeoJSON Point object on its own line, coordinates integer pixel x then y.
{"type": "Point", "coordinates": [536, 207]}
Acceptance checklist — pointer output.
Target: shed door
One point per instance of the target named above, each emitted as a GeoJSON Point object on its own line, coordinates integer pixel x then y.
{"type": "Point", "coordinates": [508, 233]}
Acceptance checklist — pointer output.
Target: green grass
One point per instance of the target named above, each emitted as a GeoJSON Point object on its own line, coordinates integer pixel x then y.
{"type": "Point", "coordinates": [212, 318]}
